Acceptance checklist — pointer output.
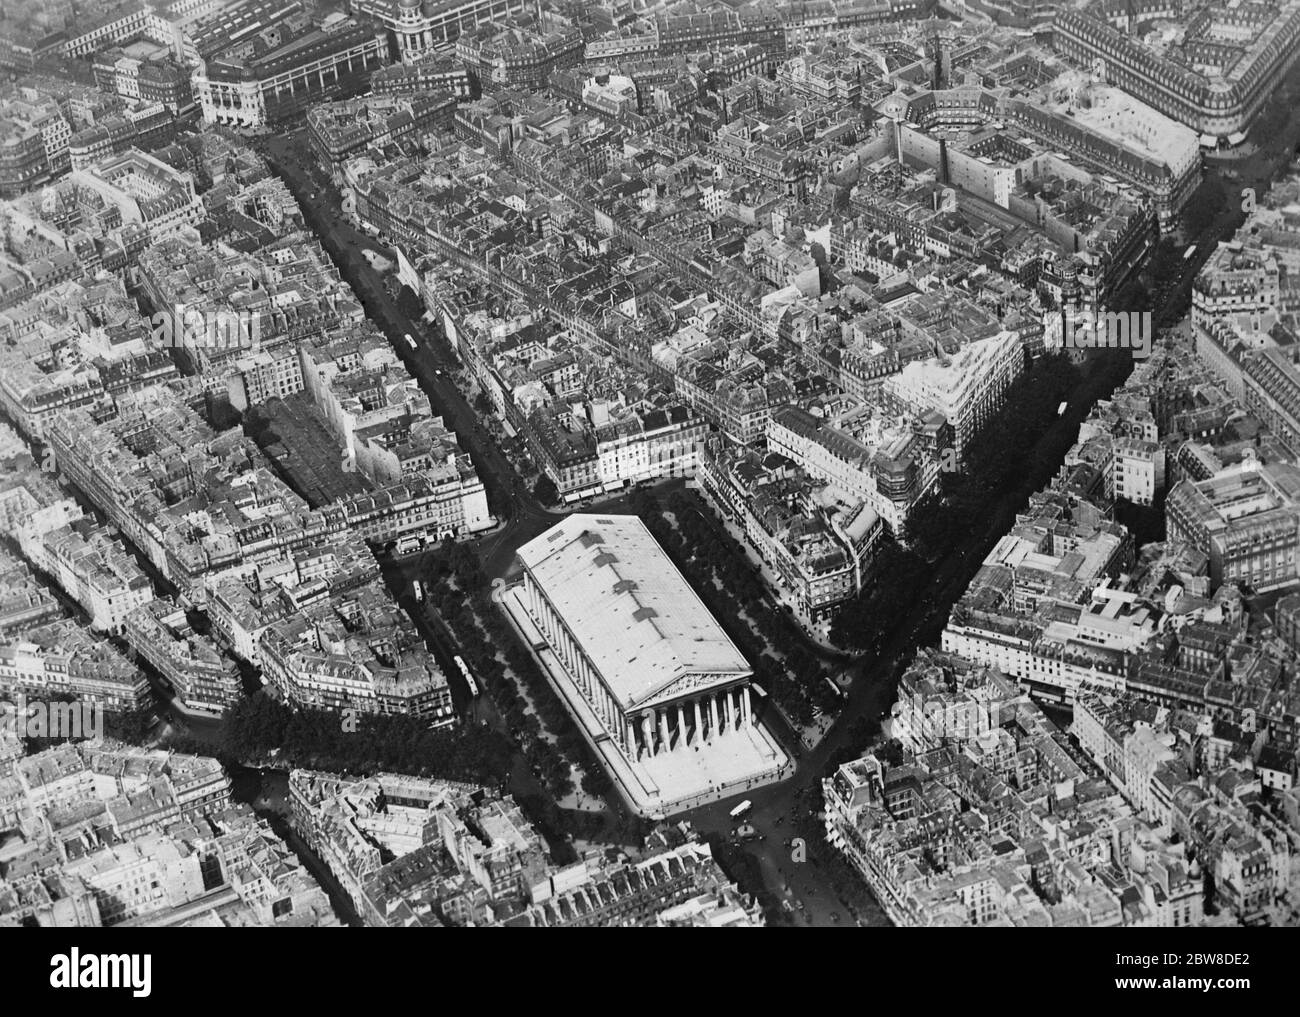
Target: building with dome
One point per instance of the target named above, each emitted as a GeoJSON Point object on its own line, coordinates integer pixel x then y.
{"type": "Point", "coordinates": [419, 26]}
{"type": "Point", "coordinates": [278, 82]}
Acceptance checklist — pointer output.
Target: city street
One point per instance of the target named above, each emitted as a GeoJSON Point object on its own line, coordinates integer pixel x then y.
{"type": "Point", "coordinates": [776, 810]}
{"type": "Point", "coordinates": [346, 245]}
{"type": "Point", "coordinates": [741, 464]}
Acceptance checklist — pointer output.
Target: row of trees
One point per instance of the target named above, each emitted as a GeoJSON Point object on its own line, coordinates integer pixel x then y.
{"type": "Point", "coordinates": [727, 582]}
{"type": "Point", "coordinates": [130, 726]}
{"type": "Point", "coordinates": [257, 727]}
{"type": "Point", "coordinates": [459, 592]}
{"type": "Point", "coordinates": [1008, 459]}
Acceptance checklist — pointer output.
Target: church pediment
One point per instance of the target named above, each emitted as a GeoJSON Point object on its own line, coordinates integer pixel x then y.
{"type": "Point", "coordinates": [685, 684]}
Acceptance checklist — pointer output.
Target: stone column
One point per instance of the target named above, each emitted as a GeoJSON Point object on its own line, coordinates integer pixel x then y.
{"type": "Point", "coordinates": [699, 728]}
{"type": "Point", "coordinates": [713, 715]}
{"type": "Point", "coordinates": [663, 728]}
{"type": "Point", "coordinates": [731, 710]}
{"type": "Point", "coordinates": [647, 733]}
{"type": "Point", "coordinates": [681, 724]}
{"type": "Point", "coordinates": [746, 708]}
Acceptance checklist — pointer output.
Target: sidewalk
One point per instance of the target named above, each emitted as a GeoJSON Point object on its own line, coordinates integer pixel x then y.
{"type": "Point", "coordinates": [770, 578]}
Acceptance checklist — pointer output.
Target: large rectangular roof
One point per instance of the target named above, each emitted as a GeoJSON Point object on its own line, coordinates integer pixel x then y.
{"type": "Point", "coordinates": [635, 615]}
